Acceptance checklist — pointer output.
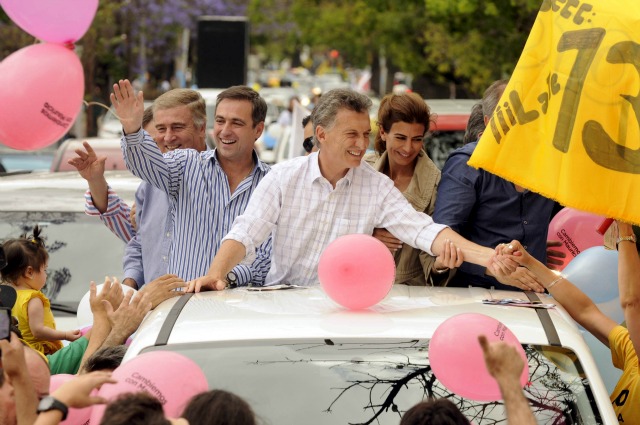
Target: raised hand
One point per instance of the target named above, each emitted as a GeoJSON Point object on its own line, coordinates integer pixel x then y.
{"type": "Point", "coordinates": [89, 166]}
{"type": "Point", "coordinates": [129, 106]}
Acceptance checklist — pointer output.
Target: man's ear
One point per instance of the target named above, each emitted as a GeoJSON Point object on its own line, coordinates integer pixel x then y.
{"type": "Point", "coordinates": [259, 130]}
{"type": "Point", "coordinates": [321, 134]}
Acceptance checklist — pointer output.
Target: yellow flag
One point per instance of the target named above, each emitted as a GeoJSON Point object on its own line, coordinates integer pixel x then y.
{"type": "Point", "coordinates": [568, 123]}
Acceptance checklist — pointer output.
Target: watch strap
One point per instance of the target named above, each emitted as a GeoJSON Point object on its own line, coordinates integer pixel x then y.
{"type": "Point", "coordinates": [50, 403]}
{"type": "Point", "coordinates": [630, 238]}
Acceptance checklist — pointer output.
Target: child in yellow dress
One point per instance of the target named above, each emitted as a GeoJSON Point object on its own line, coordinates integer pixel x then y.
{"type": "Point", "coordinates": [26, 270]}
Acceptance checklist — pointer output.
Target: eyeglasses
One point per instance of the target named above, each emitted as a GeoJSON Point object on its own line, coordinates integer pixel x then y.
{"type": "Point", "coordinates": [307, 144]}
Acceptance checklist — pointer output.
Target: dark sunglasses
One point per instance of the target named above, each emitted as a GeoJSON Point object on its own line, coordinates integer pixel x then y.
{"type": "Point", "coordinates": [307, 144]}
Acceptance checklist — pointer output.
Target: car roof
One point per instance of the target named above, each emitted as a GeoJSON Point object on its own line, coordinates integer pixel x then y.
{"type": "Point", "coordinates": [450, 114]}
{"type": "Point", "coordinates": [242, 314]}
{"type": "Point", "coordinates": [57, 192]}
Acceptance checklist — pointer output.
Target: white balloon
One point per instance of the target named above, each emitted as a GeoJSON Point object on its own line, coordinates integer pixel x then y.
{"type": "Point", "coordinates": [85, 316]}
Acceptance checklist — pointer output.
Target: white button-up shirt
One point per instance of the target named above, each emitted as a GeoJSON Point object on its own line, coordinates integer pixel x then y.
{"type": "Point", "coordinates": [304, 213]}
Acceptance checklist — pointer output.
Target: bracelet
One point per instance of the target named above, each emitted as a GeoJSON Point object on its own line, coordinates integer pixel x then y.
{"type": "Point", "coordinates": [631, 238]}
{"type": "Point", "coordinates": [440, 271]}
{"type": "Point", "coordinates": [554, 282]}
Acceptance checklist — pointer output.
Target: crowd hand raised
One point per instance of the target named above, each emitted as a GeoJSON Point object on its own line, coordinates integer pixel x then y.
{"type": "Point", "coordinates": [451, 257]}
{"type": "Point", "coordinates": [502, 360]}
{"type": "Point", "coordinates": [126, 319]}
{"type": "Point", "coordinates": [163, 288]}
{"type": "Point", "coordinates": [554, 258]}
{"type": "Point", "coordinates": [129, 106]}
{"type": "Point", "coordinates": [387, 239]}
{"type": "Point", "coordinates": [89, 166]}
{"type": "Point", "coordinates": [13, 361]}
{"type": "Point", "coordinates": [76, 393]}
{"type": "Point", "coordinates": [111, 292]}
{"type": "Point", "coordinates": [206, 283]}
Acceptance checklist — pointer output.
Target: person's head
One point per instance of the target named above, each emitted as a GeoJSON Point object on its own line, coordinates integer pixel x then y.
{"type": "Point", "coordinates": [292, 101]}
{"type": "Point", "coordinates": [218, 407]}
{"type": "Point", "coordinates": [180, 120]}
{"type": "Point", "coordinates": [239, 122]}
{"type": "Point", "coordinates": [38, 371]}
{"type": "Point", "coordinates": [491, 97]}
{"type": "Point", "coordinates": [434, 412]}
{"type": "Point", "coordinates": [342, 128]}
{"type": "Point", "coordinates": [475, 125]}
{"type": "Point", "coordinates": [403, 120]}
{"type": "Point", "coordinates": [307, 134]}
{"type": "Point", "coordinates": [27, 260]}
{"type": "Point", "coordinates": [134, 409]}
{"type": "Point", "coordinates": [106, 358]}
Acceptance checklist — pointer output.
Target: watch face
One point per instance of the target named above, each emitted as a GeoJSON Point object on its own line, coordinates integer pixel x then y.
{"type": "Point", "coordinates": [46, 404]}
{"type": "Point", "coordinates": [231, 277]}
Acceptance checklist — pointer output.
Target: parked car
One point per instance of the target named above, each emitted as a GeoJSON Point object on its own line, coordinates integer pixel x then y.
{"type": "Point", "coordinates": [446, 134]}
{"type": "Point", "coordinates": [81, 248]}
{"type": "Point", "coordinates": [103, 147]}
{"type": "Point", "coordinates": [298, 358]}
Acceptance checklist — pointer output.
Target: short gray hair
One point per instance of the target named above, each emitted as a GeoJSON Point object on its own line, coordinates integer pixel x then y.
{"type": "Point", "coordinates": [324, 114]}
{"type": "Point", "coordinates": [184, 97]}
{"type": "Point", "coordinates": [492, 96]}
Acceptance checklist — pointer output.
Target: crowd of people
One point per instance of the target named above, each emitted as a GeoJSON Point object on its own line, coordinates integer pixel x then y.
{"type": "Point", "coordinates": [258, 225]}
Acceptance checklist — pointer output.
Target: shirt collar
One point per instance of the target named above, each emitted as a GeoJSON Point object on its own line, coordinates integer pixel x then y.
{"type": "Point", "coordinates": [315, 174]}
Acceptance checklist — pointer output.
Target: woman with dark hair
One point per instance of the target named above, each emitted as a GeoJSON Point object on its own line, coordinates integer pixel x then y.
{"type": "Point", "coordinates": [218, 407]}
{"type": "Point", "coordinates": [403, 121]}
{"type": "Point", "coordinates": [434, 412]}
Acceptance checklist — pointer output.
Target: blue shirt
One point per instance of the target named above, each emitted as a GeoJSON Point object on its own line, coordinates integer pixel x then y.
{"type": "Point", "coordinates": [488, 210]}
{"type": "Point", "coordinates": [202, 206]}
{"type": "Point", "coordinates": [146, 256]}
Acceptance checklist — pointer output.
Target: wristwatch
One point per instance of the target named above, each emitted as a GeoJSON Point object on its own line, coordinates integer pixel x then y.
{"type": "Point", "coordinates": [232, 280]}
{"type": "Point", "coordinates": [50, 403]}
{"type": "Point", "coordinates": [631, 238]}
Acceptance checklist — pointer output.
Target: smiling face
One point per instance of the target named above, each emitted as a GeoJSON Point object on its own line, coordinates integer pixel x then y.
{"type": "Point", "coordinates": [175, 130]}
{"type": "Point", "coordinates": [404, 142]}
{"type": "Point", "coordinates": [233, 130]}
{"type": "Point", "coordinates": [343, 145]}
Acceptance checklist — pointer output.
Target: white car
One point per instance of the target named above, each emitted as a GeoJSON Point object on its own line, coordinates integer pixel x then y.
{"type": "Point", "coordinates": [299, 358]}
{"type": "Point", "coordinates": [81, 248]}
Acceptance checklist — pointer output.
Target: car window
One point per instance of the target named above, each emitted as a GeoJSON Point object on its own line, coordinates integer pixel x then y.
{"type": "Point", "coordinates": [375, 381]}
{"type": "Point", "coordinates": [81, 249]}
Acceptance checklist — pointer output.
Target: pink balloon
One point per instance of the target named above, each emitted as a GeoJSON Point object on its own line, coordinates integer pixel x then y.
{"type": "Point", "coordinates": [55, 21]}
{"type": "Point", "coordinates": [171, 377]}
{"type": "Point", "coordinates": [41, 90]}
{"type": "Point", "coordinates": [356, 271]}
{"type": "Point", "coordinates": [577, 230]}
{"type": "Point", "coordinates": [458, 362]}
{"type": "Point", "coordinates": [75, 416]}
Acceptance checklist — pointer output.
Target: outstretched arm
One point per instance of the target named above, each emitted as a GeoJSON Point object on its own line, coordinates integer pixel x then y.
{"type": "Point", "coordinates": [505, 365]}
{"type": "Point", "coordinates": [91, 168]}
{"type": "Point", "coordinates": [629, 283]}
{"type": "Point", "coordinates": [577, 303]}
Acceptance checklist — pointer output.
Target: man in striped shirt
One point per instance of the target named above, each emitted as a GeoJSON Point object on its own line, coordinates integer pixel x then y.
{"type": "Point", "coordinates": [206, 190]}
{"type": "Point", "coordinates": [308, 202]}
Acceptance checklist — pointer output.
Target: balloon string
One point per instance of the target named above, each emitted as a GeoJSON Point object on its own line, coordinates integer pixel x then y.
{"type": "Point", "coordinates": [87, 104]}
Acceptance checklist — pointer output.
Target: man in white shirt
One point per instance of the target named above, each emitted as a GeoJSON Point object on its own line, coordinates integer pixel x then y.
{"type": "Point", "coordinates": [308, 202]}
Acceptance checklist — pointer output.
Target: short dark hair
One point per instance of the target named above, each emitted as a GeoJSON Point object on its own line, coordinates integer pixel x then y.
{"type": "Point", "coordinates": [434, 412]}
{"type": "Point", "coordinates": [258, 104]}
{"type": "Point", "coordinates": [306, 120]}
{"type": "Point", "coordinates": [26, 251]}
{"type": "Point", "coordinates": [106, 358]}
{"type": "Point", "coordinates": [491, 96]}
{"type": "Point", "coordinates": [218, 407]}
{"type": "Point", "coordinates": [134, 409]}
{"type": "Point", "coordinates": [147, 116]}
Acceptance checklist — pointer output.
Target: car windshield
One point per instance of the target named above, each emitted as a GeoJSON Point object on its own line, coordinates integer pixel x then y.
{"type": "Point", "coordinates": [374, 381]}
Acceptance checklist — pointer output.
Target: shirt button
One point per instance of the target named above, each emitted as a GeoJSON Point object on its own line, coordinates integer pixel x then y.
{"type": "Point", "coordinates": [169, 234]}
{"type": "Point", "coordinates": [525, 247]}
{"type": "Point", "coordinates": [525, 222]}
{"type": "Point", "coordinates": [164, 258]}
